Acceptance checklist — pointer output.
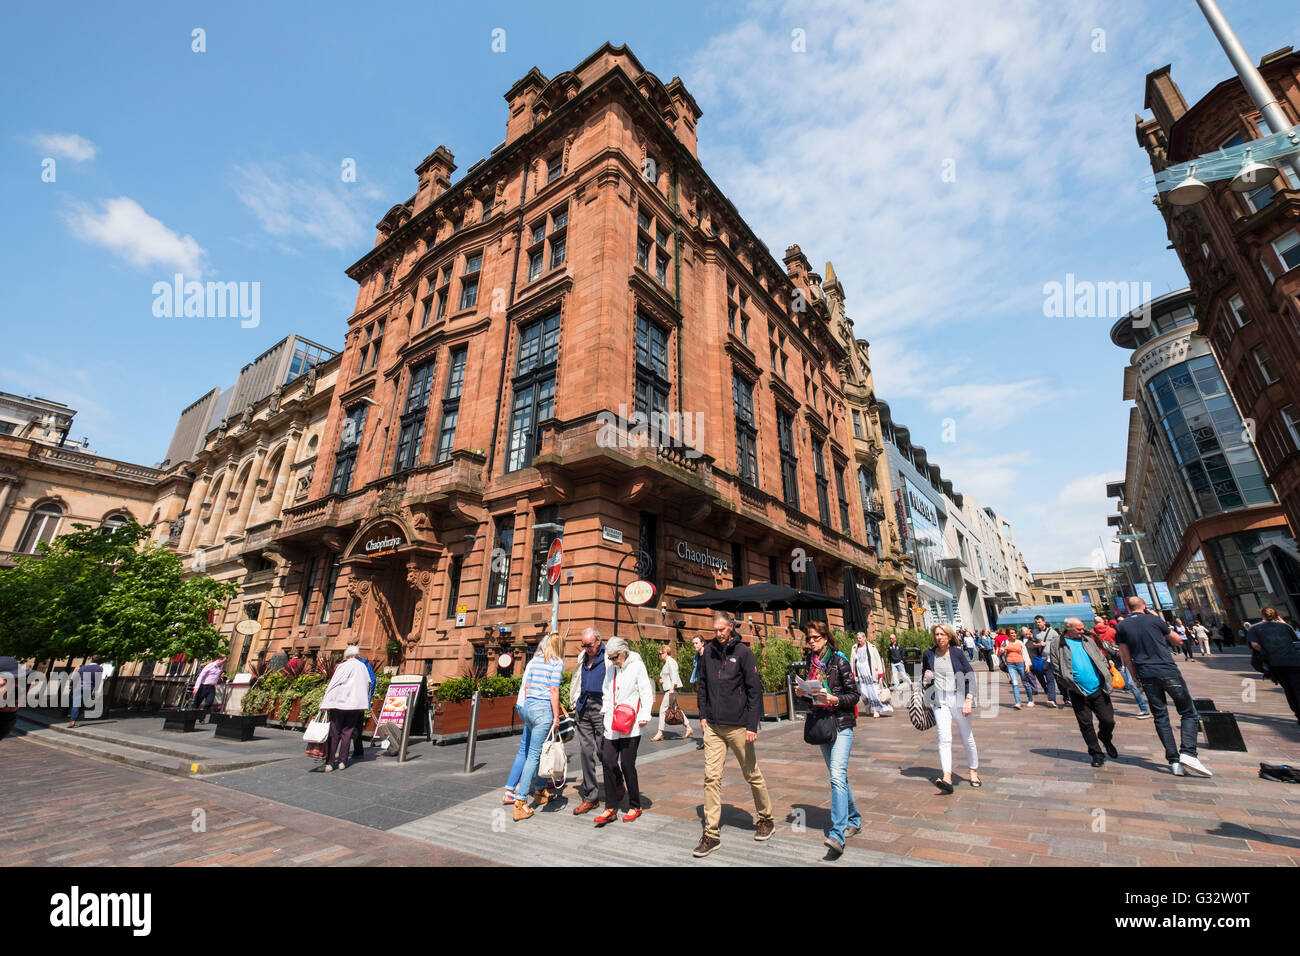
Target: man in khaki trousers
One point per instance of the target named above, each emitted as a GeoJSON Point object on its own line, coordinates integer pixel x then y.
{"type": "Point", "coordinates": [730, 698]}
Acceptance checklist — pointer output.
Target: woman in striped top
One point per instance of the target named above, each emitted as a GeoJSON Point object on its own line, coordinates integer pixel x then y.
{"type": "Point", "coordinates": [539, 704]}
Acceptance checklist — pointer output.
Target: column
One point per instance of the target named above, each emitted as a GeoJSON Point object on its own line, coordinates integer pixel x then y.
{"type": "Point", "coordinates": [250, 492]}
{"type": "Point", "coordinates": [193, 507]}
{"type": "Point", "coordinates": [284, 485]}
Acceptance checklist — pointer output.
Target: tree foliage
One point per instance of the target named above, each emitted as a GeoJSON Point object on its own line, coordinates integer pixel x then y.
{"type": "Point", "coordinates": [96, 591]}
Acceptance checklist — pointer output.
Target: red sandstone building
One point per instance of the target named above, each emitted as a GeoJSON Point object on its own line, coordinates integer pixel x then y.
{"type": "Point", "coordinates": [588, 268]}
{"type": "Point", "coordinates": [1241, 252]}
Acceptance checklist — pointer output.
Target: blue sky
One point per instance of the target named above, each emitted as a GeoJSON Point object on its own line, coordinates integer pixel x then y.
{"type": "Point", "coordinates": [949, 158]}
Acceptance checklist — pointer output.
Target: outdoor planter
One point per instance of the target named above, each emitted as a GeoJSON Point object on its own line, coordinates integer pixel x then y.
{"type": "Point", "coordinates": [452, 717]}
{"type": "Point", "coordinates": [774, 704]}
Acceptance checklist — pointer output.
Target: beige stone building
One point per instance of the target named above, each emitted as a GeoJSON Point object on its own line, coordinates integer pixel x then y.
{"type": "Point", "coordinates": [1074, 586]}
{"type": "Point", "coordinates": [48, 486]}
{"type": "Point", "coordinates": [220, 502]}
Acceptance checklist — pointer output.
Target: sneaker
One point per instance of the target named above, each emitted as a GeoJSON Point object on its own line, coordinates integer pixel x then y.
{"type": "Point", "coordinates": [1194, 765]}
{"type": "Point", "coordinates": [1177, 768]}
{"type": "Point", "coordinates": [1110, 749]}
{"type": "Point", "coordinates": [836, 847]}
{"type": "Point", "coordinates": [1099, 761]}
{"type": "Point", "coordinates": [706, 846]}
{"type": "Point", "coordinates": [522, 811]}
{"type": "Point", "coordinates": [851, 831]}
{"type": "Point", "coordinates": [764, 830]}
{"type": "Point", "coordinates": [1145, 715]}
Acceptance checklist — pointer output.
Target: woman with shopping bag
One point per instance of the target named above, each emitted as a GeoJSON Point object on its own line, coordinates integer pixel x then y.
{"type": "Point", "coordinates": [539, 704]}
{"type": "Point", "coordinates": [346, 698]}
{"type": "Point", "coordinates": [628, 701]}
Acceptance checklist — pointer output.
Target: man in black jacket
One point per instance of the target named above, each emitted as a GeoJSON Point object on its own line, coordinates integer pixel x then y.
{"type": "Point", "coordinates": [730, 696]}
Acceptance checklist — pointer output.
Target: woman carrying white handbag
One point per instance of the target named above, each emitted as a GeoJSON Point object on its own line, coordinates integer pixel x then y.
{"type": "Point", "coordinates": [346, 699]}
{"type": "Point", "coordinates": [870, 671]}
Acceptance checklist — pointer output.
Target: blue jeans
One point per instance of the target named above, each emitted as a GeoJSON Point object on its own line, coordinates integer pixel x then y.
{"type": "Point", "coordinates": [898, 671]}
{"type": "Point", "coordinates": [1156, 688]}
{"type": "Point", "coordinates": [1132, 686]}
{"type": "Point", "coordinates": [537, 724]}
{"type": "Point", "coordinates": [517, 768]}
{"type": "Point", "coordinates": [1017, 674]}
{"type": "Point", "coordinates": [844, 810]}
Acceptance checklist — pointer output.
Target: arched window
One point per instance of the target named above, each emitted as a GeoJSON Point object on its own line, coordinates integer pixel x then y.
{"type": "Point", "coordinates": [42, 525]}
{"type": "Point", "coordinates": [115, 521]}
{"type": "Point", "coordinates": [273, 472]}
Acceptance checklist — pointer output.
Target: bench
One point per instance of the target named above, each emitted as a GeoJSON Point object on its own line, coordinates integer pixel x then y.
{"type": "Point", "coordinates": [182, 720]}
{"type": "Point", "coordinates": [237, 726]}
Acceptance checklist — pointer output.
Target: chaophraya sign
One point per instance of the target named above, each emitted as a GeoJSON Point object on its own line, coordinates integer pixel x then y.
{"type": "Point", "coordinates": [382, 539]}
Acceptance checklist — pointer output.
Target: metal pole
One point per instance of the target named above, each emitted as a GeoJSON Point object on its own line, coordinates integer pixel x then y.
{"type": "Point", "coordinates": [1246, 70]}
{"type": "Point", "coordinates": [473, 734]}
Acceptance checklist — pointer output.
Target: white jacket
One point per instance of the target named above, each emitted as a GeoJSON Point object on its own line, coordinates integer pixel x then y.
{"type": "Point", "coordinates": [669, 679]}
{"type": "Point", "coordinates": [349, 688]}
{"type": "Point", "coordinates": [632, 683]}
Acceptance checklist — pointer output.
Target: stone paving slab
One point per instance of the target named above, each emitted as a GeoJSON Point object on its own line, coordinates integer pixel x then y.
{"type": "Point", "coordinates": [66, 809]}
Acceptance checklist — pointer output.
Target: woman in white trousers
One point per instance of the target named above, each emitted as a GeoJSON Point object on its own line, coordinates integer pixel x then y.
{"type": "Point", "coordinates": [954, 695]}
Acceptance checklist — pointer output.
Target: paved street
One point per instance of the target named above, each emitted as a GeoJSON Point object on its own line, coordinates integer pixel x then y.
{"type": "Point", "coordinates": [1042, 803]}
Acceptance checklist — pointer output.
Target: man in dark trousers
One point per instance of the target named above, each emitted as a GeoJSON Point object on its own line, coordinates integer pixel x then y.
{"type": "Point", "coordinates": [730, 696]}
{"type": "Point", "coordinates": [1144, 641]}
{"type": "Point", "coordinates": [1276, 640]}
{"type": "Point", "coordinates": [590, 683]}
{"type": "Point", "coordinates": [1080, 666]}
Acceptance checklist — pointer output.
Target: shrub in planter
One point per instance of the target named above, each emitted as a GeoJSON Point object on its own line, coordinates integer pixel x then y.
{"type": "Point", "coordinates": [913, 637]}
{"type": "Point", "coordinates": [774, 658]}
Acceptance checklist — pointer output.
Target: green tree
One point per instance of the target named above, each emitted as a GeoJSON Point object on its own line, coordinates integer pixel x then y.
{"type": "Point", "coordinates": [96, 591]}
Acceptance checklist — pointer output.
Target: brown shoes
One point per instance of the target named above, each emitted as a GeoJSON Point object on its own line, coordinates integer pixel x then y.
{"type": "Point", "coordinates": [522, 811]}
{"type": "Point", "coordinates": [585, 807]}
{"type": "Point", "coordinates": [706, 846]}
{"type": "Point", "coordinates": [764, 830]}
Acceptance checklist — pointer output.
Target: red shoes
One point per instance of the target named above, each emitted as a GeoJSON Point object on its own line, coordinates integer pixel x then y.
{"type": "Point", "coordinates": [605, 817]}
{"type": "Point", "coordinates": [631, 815]}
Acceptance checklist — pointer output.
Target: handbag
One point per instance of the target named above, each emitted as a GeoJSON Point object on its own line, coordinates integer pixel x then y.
{"type": "Point", "coordinates": [820, 727]}
{"type": "Point", "coordinates": [918, 711]}
{"type": "Point", "coordinates": [568, 727]}
{"type": "Point", "coordinates": [674, 715]}
{"type": "Point", "coordinates": [554, 762]}
{"type": "Point", "coordinates": [318, 731]}
{"type": "Point", "coordinates": [316, 737]}
{"type": "Point", "coordinates": [1039, 665]}
{"type": "Point", "coordinates": [624, 718]}
{"type": "Point", "coordinates": [1116, 678]}
{"type": "Point", "coordinates": [883, 691]}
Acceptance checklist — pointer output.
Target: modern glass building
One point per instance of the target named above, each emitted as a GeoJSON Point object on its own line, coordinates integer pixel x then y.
{"type": "Point", "coordinates": [1194, 483]}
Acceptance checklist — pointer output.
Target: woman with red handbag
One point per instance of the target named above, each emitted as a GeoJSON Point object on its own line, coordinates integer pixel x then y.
{"type": "Point", "coordinates": [628, 701]}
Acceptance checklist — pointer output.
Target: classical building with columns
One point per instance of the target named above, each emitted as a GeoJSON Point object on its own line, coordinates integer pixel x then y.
{"type": "Point", "coordinates": [48, 485]}
{"type": "Point", "coordinates": [220, 502]}
{"type": "Point", "coordinates": [518, 337]}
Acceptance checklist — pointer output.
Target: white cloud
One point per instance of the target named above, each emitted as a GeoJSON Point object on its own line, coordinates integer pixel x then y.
{"type": "Point", "coordinates": [122, 226]}
{"type": "Point", "coordinates": [65, 146]}
{"type": "Point", "coordinates": [1063, 531]}
{"type": "Point", "coordinates": [315, 205]}
{"type": "Point", "coordinates": [988, 479]}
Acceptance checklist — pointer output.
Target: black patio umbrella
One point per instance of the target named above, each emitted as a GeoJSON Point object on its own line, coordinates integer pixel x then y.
{"type": "Point", "coordinates": [855, 618]}
{"type": "Point", "coordinates": [809, 614]}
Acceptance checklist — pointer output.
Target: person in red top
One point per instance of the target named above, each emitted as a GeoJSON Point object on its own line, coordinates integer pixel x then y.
{"type": "Point", "coordinates": [1104, 630]}
{"type": "Point", "coordinates": [999, 640]}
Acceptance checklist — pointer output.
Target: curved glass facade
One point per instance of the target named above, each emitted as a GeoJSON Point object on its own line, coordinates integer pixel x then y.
{"type": "Point", "coordinates": [1219, 467]}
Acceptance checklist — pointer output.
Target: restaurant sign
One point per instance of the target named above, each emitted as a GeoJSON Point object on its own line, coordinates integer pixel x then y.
{"type": "Point", "coordinates": [382, 539]}
{"type": "Point", "coordinates": [706, 560]}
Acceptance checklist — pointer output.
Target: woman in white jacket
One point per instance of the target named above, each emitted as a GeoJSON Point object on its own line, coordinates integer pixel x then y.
{"type": "Point", "coordinates": [670, 682]}
{"type": "Point", "coordinates": [627, 684]}
{"type": "Point", "coordinates": [346, 699]}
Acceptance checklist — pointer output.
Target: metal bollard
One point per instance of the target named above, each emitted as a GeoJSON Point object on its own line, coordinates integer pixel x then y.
{"type": "Point", "coordinates": [473, 734]}
{"type": "Point", "coordinates": [789, 694]}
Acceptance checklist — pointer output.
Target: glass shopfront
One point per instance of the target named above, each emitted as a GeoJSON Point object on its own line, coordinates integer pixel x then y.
{"type": "Point", "coordinates": [925, 533]}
